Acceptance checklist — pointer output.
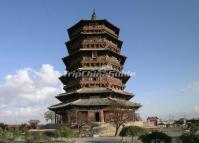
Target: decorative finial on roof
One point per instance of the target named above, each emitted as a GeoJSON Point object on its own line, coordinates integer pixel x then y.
{"type": "Point", "coordinates": [93, 17]}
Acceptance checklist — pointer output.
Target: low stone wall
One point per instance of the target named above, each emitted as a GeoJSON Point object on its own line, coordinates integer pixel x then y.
{"type": "Point", "coordinates": [108, 129]}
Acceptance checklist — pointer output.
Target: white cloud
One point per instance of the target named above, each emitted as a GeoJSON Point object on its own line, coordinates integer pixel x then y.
{"type": "Point", "coordinates": [193, 87]}
{"type": "Point", "coordinates": [27, 93]}
{"type": "Point", "coordinates": [196, 109]}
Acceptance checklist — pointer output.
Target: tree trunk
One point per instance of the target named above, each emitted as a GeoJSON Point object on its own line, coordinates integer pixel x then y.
{"type": "Point", "coordinates": [132, 139]}
{"type": "Point", "coordinates": [80, 131]}
{"type": "Point", "coordinates": [116, 130]}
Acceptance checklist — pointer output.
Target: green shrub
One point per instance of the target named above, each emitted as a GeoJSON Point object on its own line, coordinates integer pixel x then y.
{"type": "Point", "coordinates": [132, 131]}
{"type": "Point", "coordinates": [64, 132]}
{"type": "Point", "coordinates": [156, 137]}
{"type": "Point", "coordinates": [189, 138]}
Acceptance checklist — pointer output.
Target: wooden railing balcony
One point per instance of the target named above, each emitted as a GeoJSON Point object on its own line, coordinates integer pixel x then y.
{"type": "Point", "coordinates": [105, 81]}
{"type": "Point", "coordinates": [92, 30]}
{"type": "Point", "coordinates": [99, 43]}
{"type": "Point", "coordinates": [94, 82]}
{"type": "Point", "coordinates": [99, 29]}
{"type": "Point", "coordinates": [98, 62]}
{"type": "Point", "coordinates": [102, 80]}
{"type": "Point", "coordinates": [104, 60]}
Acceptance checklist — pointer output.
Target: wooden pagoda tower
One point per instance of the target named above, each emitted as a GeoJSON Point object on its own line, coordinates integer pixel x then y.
{"type": "Point", "coordinates": [94, 83]}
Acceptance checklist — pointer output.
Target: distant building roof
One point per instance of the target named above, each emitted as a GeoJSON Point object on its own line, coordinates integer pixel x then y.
{"type": "Point", "coordinates": [33, 121]}
{"type": "Point", "coordinates": [152, 118]}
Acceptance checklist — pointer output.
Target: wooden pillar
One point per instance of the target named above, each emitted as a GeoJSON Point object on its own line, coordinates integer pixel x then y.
{"type": "Point", "coordinates": [55, 118]}
{"type": "Point", "coordinates": [91, 116]}
{"type": "Point", "coordinates": [76, 117]}
{"type": "Point", "coordinates": [65, 118]}
{"type": "Point", "coordinates": [61, 118]}
{"type": "Point", "coordinates": [68, 116]}
{"type": "Point", "coordinates": [101, 112]}
{"type": "Point", "coordinates": [88, 117]}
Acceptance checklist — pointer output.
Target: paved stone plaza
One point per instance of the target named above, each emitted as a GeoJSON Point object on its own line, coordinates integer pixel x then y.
{"type": "Point", "coordinates": [99, 140]}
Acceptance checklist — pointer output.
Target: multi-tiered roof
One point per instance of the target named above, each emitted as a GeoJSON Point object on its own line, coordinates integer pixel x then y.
{"type": "Point", "coordinates": [94, 67]}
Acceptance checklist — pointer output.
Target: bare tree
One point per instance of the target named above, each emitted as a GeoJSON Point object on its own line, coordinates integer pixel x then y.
{"type": "Point", "coordinates": [49, 115]}
{"type": "Point", "coordinates": [119, 116]}
{"type": "Point", "coordinates": [81, 122]}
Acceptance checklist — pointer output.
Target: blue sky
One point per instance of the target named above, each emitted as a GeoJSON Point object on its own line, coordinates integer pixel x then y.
{"type": "Point", "coordinates": [160, 40]}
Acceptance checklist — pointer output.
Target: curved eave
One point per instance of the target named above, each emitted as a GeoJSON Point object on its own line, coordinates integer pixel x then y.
{"type": "Point", "coordinates": [82, 91]}
{"type": "Point", "coordinates": [108, 102]}
{"type": "Point", "coordinates": [125, 79]}
{"type": "Point", "coordinates": [76, 54]}
{"type": "Point", "coordinates": [93, 49]}
{"type": "Point", "coordinates": [110, 91]}
{"type": "Point", "coordinates": [63, 79]}
{"type": "Point", "coordinates": [104, 21]}
{"type": "Point", "coordinates": [83, 34]}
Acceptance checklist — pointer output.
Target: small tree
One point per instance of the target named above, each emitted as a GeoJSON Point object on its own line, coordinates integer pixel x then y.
{"type": "Point", "coordinates": [50, 134]}
{"type": "Point", "coordinates": [37, 136]}
{"type": "Point", "coordinates": [64, 132]}
{"type": "Point", "coordinates": [120, 115]}
{"type": "Point", "coordinates": [13, 133]}
{"type": "Point", "coordinates": [132, 131]}
{"type": "Point", "coordinates": [2, 135]}
{"type": "Point", "coordinates": [16, 133]}
{"type": "Point", "coordinates": [189, 138]}
{"type": "Point", "coordinates": [3, 126]}
{"type": "Point", "coordinates": [49, 115]}
{"type": "Point", "coordinates": [135, 131]}
{"type": "Point", "coordinates": [67, 133]}
{"type": "Point", "coordinates": [124, 132]}
{"type": "Point", "coordinates": [24, 129]}
{"type": "Point", "coordinates": [33, 123]}
{"type": "Point", "coordinates": [194, 128]}
{"type": "Point", "coordinates": [58, 133]}
{"type": "Point", "coordinates": [81, 122]}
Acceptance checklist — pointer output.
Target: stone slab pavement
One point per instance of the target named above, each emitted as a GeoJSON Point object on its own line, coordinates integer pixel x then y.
{"type": "Point", "coordinates": [99, 140]}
